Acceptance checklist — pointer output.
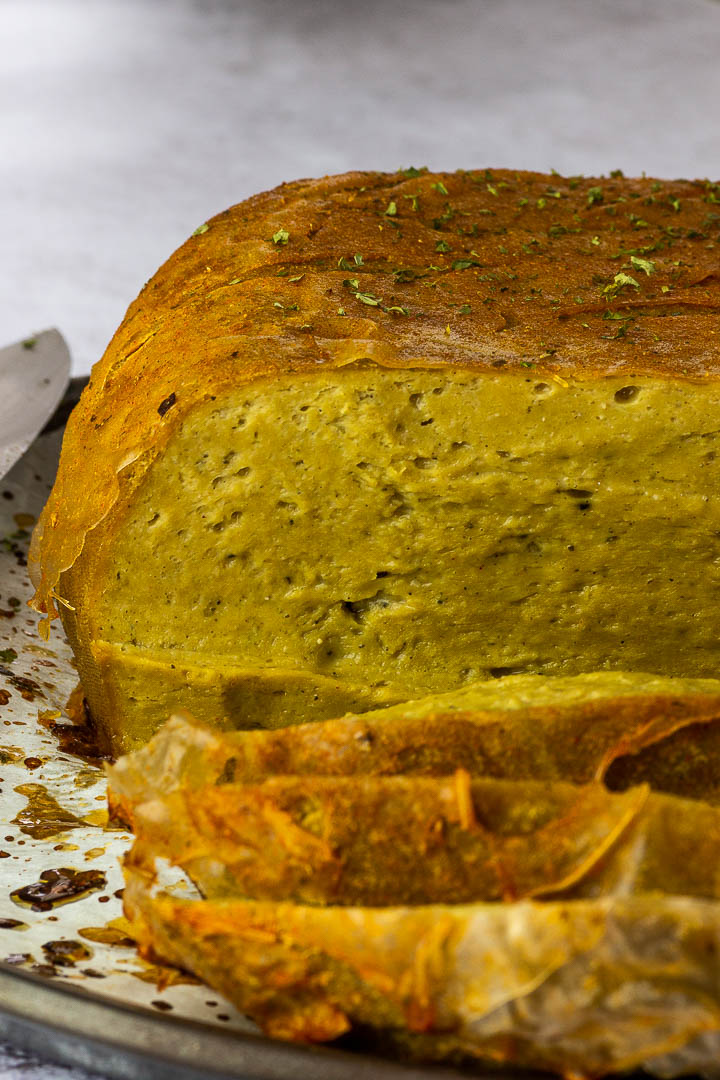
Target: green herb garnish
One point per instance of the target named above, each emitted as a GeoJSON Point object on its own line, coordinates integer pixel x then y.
{"type": "Point", "coordinates": [623, 319]}
{"type": "Point", "coordinates": [645, 265]}
{"type": "Point", "coordinates": [620, 281]}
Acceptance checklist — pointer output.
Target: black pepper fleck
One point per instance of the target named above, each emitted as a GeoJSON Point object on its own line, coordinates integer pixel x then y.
{"type": "Point", "coordinates": [167, 403]}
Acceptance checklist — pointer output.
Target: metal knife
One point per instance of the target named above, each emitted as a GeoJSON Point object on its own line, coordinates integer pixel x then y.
{"type": "Point", "coordinates": [33, 377]}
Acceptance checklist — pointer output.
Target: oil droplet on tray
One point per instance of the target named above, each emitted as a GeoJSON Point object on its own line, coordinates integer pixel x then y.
{"type": "Point", "coordinates": [65, 953]}
{"type": "Point", "coordinates": [55, 887]}
{"type": "Point", "coordinates": [79, 737]}
{"type": "Point", "coordinates": [10, 755]}
{"type": "Point", "coordinates": [43, 816]}
{"type": "Point", "coordinates": [107, 935]}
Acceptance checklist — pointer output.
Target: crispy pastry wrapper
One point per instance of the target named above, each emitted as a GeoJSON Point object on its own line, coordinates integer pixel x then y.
{"type": "Point", "coordinates": [415, 840]}
{"type": "Point", "coordinates": [585, 987]}
{"type": "Point", "coordinates": [603, 957]}
{"type": "Point", "coordinates": [670, 742]}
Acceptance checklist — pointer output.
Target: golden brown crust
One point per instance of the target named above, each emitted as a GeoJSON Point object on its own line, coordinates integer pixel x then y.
{"type": "Point", "coordinates": [410, 840]}
{"type": "Point", "coordinates": [497, 270]}
{"type": "Point", "coordinates": [583, 988]}
{"type": "Point", "coordinates": [669, 742]}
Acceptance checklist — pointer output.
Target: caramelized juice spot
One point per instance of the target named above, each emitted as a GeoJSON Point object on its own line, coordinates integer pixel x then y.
{"type": "Point", "coordinates": [107, 935]}
{"type": "Point", "coordinates": [43, 816]}
{"type": "Point", "coordinates": [61, 886]}
{"type": "Point", "coordinates": [65, 953]}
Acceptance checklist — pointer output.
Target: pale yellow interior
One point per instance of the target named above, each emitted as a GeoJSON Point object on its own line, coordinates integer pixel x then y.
{"type": "Point", "coordinates": [419, 530]}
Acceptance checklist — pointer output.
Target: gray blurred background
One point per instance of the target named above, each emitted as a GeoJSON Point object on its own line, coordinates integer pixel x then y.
{"type": "Point", "coordinates": [126, 123]}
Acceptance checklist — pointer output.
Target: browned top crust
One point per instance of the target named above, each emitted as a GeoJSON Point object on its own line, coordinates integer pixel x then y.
{"type": "Point", "coordinates": [488, 269]}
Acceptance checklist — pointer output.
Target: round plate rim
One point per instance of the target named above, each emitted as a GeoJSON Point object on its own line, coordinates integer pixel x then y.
{"type": "Point", "coordinates": [73, 1026]}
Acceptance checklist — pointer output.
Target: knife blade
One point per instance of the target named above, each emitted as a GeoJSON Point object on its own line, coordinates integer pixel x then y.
{"type": "Point", "coordinates": [33, 377]}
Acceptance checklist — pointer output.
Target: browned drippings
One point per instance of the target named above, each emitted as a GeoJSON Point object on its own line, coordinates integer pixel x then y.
{"type": "Point", "coordinates": [43, 816]}
{"type": "Point", "coordinates": [48, 970]}
{"type": "Point", "coordinates": [61, 886]}
{"type": "Point", "coordinates": [24, 520]}
{"type": "Point", "coordinates": [87, 777]}
{"type": "Point", "coordinates": [44, 715]}
{"type": "Point", "coordinates": [107, 935]}
{"type": "Point", "coordinates": [65, 953]}
{"type": "Point", "coordinates": [11, 755]}
{"type": "Point", "coordinates": [80, 737]}
{"type": "Point", "coordinates": [28, 687]}
{"type": "Point", "coordinates": [12, 924]}
{"type": "Point", "coordinates": [163, 976]}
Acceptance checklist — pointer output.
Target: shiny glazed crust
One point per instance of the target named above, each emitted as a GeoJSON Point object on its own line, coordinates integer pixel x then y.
{"type": "Point", "coordinates": [501, 270]}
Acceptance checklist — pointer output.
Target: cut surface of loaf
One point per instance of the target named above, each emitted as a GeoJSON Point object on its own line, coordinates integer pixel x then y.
{"type": "Point", "coordinates": [378, 436]}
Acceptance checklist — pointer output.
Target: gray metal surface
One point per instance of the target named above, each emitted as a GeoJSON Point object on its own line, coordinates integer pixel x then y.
{"type": "Point", "coordinates": [73, 1027]}
{"type": "Point", "coordinates": [33, 377]}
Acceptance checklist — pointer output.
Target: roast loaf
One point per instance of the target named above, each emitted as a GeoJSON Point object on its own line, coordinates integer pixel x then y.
{"type": "Point", "coordinates": [379, 436]}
